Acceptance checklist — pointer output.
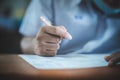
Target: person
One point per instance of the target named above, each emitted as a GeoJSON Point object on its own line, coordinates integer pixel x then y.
{"type": "Point", "coordinates": [90, 26]}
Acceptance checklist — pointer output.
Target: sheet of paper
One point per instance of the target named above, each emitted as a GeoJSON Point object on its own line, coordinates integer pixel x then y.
{"type": "Point", "coordinates": [66, 61]}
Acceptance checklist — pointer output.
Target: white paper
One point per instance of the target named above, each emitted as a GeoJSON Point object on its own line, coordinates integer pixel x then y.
{"type": "Point", "coordinates": [66, 61]}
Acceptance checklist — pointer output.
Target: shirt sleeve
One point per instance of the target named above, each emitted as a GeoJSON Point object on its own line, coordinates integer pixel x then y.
{"type": "Point", "coordinates": [31, 21]}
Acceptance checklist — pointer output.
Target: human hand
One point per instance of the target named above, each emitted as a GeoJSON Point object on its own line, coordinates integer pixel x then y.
{"type": "Point", "coordinates": [113, 59]}
{"type": "Point", "coordinates": [48, 39]}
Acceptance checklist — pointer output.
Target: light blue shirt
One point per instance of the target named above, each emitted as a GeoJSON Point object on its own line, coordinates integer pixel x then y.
{"type": "Point", "coordinates": [91, 31]}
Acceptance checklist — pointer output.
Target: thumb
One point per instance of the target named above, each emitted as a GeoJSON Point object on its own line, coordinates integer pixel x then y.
{"type": "Point", "coordinates": [67, 36]}
{"type": "Point", "coordinates": [62, 32]}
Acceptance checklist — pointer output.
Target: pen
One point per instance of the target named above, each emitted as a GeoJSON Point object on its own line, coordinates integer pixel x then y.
{"type": "Point", "coordinates": [45, 21]}
{"type": "Point", "coordinates": [48, 24]}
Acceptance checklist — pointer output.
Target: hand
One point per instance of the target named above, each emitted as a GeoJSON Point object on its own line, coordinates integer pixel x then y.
{"type": "Point", "coordinates": [48, 39]}
{"type": "Point", "coordinates": [113, 59]}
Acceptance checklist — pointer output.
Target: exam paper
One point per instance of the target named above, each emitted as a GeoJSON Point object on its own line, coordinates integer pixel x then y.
{"type": "Point", "coordinates": [66, 61]}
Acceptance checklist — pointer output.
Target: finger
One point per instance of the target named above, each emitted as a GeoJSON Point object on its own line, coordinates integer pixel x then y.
{"type": "Point", "coordinates": [51, 47]}
{"type": "Point", "coordinates": [45, 52]}
{"type": "Point", "coordinates": [113, 61]}
{"type": "Point", "coordinates": [63, 28]}
{"type": "Point", "coordinates": [57, 31]}
{"type": "Point", "coordinates": [107, 58]}
{"type": "Point", "coordinates": [53, 41]}
{"type": "Point", "coordinates": [62, 31]}
{"type": "Point", "coordinates": [48, 38]}
{"type": "Point", "coordinates": [48, 46]}
{"type": "Point", "coordinates": [48, 53]}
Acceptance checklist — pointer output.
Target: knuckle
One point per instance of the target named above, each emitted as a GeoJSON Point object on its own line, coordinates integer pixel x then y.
{"type": "Point", "coordinates": [41, 40]}
{"type": "Point", "coordinates": [55, 46]}
{"type": "Point", "coordinates": [50, 37]}
{"type": "Point", "coordinates": [43, 28]}
{"type": "Point", "coordinates": [40, 49]}
{"type": "Point", "coordinates": [39, 37]}
{"type": "Point", "coordinates": [62, 27]}
{"type": "Point", "coordinates": [42, 45]}
{"type": "Point", "coordinates": [56, 30]}
{"type": "Point", "coordinates": [53, 53]}
{"type": "Point", "coordinates": [57, 40]}
{"type": "Point", "coordinates": [43, 52]}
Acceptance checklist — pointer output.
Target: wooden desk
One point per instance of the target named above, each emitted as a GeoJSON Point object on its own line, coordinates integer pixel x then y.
{"type": "Point", "coordinates": [12, 67]}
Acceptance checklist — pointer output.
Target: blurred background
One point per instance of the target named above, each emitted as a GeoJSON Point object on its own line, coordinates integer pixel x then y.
{"type": "Point", "coordinates": [11, 15]}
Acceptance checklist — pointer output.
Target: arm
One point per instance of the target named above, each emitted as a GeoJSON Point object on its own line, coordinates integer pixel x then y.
{"type": "Point", "coordinates": [47, 41]}
{"type": "Point", "coordinates": [31, 23]}
{"type": "Point", "coordinates": [27, 45]}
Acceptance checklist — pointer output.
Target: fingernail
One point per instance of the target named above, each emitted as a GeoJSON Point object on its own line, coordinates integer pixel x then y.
{"type": "Point", "coordinates": [68, 36]}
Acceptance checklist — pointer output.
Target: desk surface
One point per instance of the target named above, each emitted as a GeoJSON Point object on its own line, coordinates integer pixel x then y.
{"type": "Point", "coordinates": [12, 67]}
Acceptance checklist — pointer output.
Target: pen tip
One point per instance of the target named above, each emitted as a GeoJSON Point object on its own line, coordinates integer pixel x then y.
{"type": "Point", "coordinates": [42, 18]}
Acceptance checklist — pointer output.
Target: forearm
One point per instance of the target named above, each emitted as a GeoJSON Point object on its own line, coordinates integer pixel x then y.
{"type": "Point", "coordinates": [27, 45]}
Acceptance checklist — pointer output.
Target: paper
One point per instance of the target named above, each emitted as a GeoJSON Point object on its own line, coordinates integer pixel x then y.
{"type": "Point", "coordinates": [66, 61]}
